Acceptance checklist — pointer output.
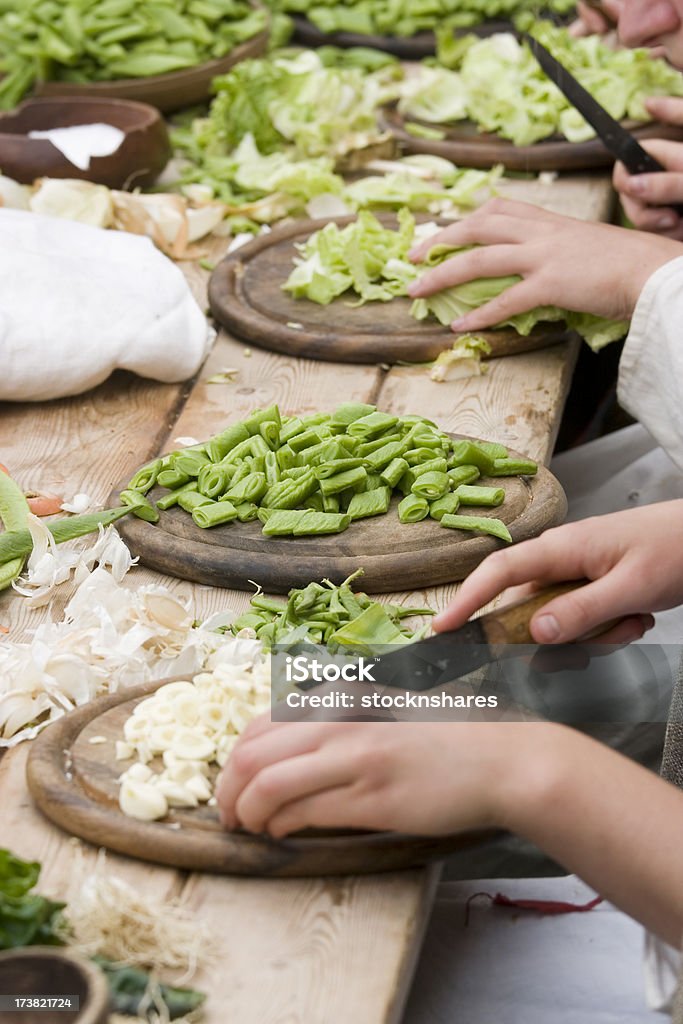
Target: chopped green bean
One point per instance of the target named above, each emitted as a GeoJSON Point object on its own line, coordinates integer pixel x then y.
{"type": "Point", "coordinates": [139, 505]}
{"type": "Point", "coordinates": [514, 467]}
{"type": "Point", "coordinates": [467, 453]}
{"type": "Point", "coordinates": [214, 513]}
{"type": "Point", "coordinates": [340, 481]}
{"type": "Point", "coordinates": [448, 505]}
{"type": "Point", "coordinates": [412, 509]}
{"type": "Point", "coordinates": [478, 524]}
{"type": "Point", "coordinates": [146, 477]}
{"type": "Point", "coordinates": [392, 473]}
{"type": "Point", "coordinates": [190, 500]}
{"type": "Point", "coordinates": [431, 485]}
{"type": "Point", "coordinates": [463, 475]}
{"type": "Point", "coordinates": [172, 478]}
{"type": "Point", "coordinates": [485, 496]}
{"type": "Point", "coordinates": [369, 503]}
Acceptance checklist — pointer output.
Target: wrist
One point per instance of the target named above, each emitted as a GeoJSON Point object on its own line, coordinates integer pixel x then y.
{"type": "Point", "coordinates": [539, 761]}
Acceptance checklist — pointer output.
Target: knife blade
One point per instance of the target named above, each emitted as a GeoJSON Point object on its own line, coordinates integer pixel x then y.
{"type": "Point", "coordinates": [620, 142]}
{"type": "Point", "coordinates": [445, 657]}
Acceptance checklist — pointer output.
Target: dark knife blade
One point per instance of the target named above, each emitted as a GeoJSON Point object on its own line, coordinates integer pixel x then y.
{"type": "Point", "coordinates": [447, 656]}
{"type": "Point", "coordinates": [621, 144]}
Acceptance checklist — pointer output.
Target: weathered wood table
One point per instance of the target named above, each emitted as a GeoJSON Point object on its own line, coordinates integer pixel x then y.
{"type": "Point", "coordinates": [319, 951]}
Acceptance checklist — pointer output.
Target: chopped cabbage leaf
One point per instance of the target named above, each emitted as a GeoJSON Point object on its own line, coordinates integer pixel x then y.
{"type": "Point", "coordinates": [498, 84]}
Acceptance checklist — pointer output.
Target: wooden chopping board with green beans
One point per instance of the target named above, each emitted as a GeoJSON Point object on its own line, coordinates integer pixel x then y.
{"type": "Point", "coordinates": [247, 297]}
{"type": "Point", "coordinates": [283, 500]}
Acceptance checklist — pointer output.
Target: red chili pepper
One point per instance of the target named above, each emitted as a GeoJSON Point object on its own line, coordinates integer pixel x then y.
{"type": "Point", "coordinates": [545, 907]}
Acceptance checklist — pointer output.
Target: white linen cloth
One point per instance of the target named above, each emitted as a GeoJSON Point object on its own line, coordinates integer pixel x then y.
{"type": "Point", "coordinates": [77, 302]}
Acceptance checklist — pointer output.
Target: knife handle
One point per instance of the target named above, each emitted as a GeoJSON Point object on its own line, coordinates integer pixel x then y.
{"type": "Point", "coordinates": [510, 624]}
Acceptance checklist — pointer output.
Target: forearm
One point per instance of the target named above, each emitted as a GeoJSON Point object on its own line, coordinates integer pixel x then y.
{"type": "Point", "coordinates": [608, 820]}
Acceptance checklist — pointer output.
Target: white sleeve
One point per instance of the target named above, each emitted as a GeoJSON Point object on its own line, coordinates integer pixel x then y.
{"type": "Point", "coordinates": [77, 302]}
{"type": "Point", "coordinates": [662, 967]}
{"type": "Point", "coordinates": [650, 385]}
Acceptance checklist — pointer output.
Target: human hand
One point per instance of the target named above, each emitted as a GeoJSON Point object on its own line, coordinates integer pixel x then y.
{"type": "Point", "coordinates": [633, 560]}
{"type": "Point", "coordinates": [422, 778]}
{"type": "Point", "coordinates": [580, 266]}
{"type": "Point", "coordinates": [647, 198]}
{"type": "Point", "coordinates": [593, 21]}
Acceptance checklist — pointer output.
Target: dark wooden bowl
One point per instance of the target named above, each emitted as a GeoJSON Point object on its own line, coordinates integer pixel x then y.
{"type": "Point", "coordinates": [165, 92]}
{"type": "Point", "coordinates": [45, 971]}
{"type": "Point", "coordinates": [143, 154]}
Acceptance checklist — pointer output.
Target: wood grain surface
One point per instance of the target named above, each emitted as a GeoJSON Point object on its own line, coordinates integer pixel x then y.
{"type": "Point", "coordinates": [246, 296]}
{"type": "Point", "coordinates": [289, 949]}
{"type": "Point", "coordinates": [466, 146]}
{"type": "Point", "coordinates": [293, 947]}
{"type": "Point", "coordinates": [394, 556]}
{"type": "Point", "coordinates": [74, 783]}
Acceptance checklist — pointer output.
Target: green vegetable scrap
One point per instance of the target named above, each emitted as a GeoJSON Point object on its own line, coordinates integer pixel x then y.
{"type": "Point", "coordinates": [17, 544]}
{"type": "Point", "coordinates": [26, 919]}
{"type": "Point", "coordinates": [277, 126]}
{"type": "Point", "coordinates": [370, 260]}
{"type": "Point", "coordinates": [14, 512]}
{"type": "Point", "coordinates": [408, 17]}
{"type": "Point", "coordinates": [498, 84]}
{"type": "Point", "coordinates": [337, 616]}
{"type": "Point", "coordinates": [129, 992]}
{"type": "Point", "coordinates": [280, 124]}
{"type": "Point", "coordinates": [317, 475]}
{"type": "Point", "coordinates": [81, 41]}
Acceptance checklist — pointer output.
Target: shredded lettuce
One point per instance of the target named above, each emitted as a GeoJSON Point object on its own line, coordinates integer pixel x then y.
{"type": "Point", "coordinates": [420, 184]}
{"type": "Point", "coordinates": [498, 84]}
{"type": "Point", "coordinates": [364, 256]}
{"type": "Point", "coordinates": [369, 260]}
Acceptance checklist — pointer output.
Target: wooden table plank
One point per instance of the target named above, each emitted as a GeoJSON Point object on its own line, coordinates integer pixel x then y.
{"type": "Point", "coordinates": [308, 951]}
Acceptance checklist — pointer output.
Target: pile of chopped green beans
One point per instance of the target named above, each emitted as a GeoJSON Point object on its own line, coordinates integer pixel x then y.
{"type": "Point", "coordinates": [315, 475]}
{"type": "Point", "coordinates": [83, 41]}
{"type": "Point", "coordinates": [323, 613]}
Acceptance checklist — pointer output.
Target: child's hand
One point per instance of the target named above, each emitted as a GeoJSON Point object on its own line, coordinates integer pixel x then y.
{"type": "Point", "coordinates": [591, 21]}
{"type": "Point", "coordinates": [647, 198]}
{"type": "Point", "coordinates": [634, 560]}
{"type": "Point", "coordinates": [423, 778]}
{"type": "Point", "coordinates": [588, 268]}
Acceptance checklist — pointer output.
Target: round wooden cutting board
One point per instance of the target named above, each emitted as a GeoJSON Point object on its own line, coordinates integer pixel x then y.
{"type": "Point", "coordinates": [464, 145]}
{"type": "Point", "coordinates": [74, 783]}
{"type": "Point", "coordinates": [246, 296]}
{"type": "Point", "coordinates": [423, 44]}
{"type": "Point", "coordinates": [395, 556]}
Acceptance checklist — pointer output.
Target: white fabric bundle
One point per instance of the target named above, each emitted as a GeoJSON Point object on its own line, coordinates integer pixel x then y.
{"type": "Point", "coordinates": [78, 302]}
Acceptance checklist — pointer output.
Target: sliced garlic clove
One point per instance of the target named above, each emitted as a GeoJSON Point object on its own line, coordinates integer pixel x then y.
{"type": "Point", "coordinates": [186, 709]}
{"type": "Point", "coordinates": [142, 801]}
{"type": "Point", "coordinates": [171, 690]}
{"type": "Point", "coordinates": [177, 795]}
{"type": "Point", "coordinates": [189, 745]}
{"type": "Point", "coordinates": [160, 737]}
{"type": "Point", "coordinates": [138, 772]}
{"type": "Point", "coordinates": [124, 751]}
{"type": "Point", "coordinates": [199, 787]}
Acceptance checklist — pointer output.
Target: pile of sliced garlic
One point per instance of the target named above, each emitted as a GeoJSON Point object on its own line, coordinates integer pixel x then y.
{"type": "Point", "coordinates": [190, 725]}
